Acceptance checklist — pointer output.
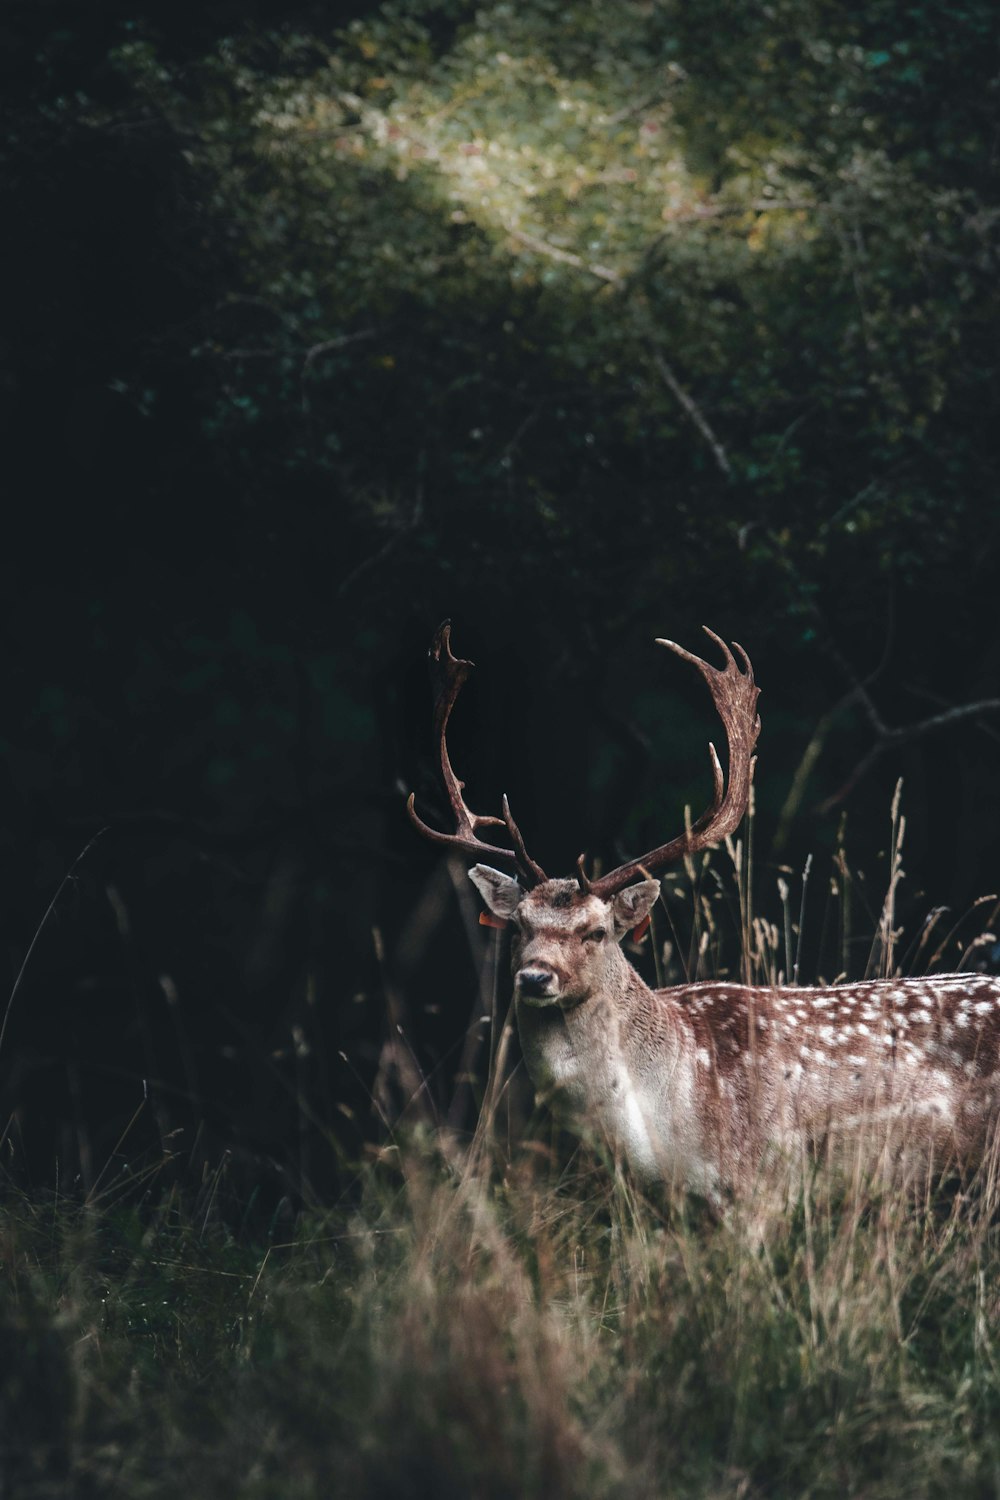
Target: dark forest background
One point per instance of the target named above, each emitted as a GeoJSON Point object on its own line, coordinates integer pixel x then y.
{"type": "Point", "coordinates": [579, 324]}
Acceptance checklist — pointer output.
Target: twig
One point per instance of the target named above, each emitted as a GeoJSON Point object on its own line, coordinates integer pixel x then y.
{"type": "Point", "coordinates": [932, 697]}
{"type": "Point", "coordinates": [805, 767]}
{"type": "Point", "coordinates": [519, 432]}
{"type": "Point", "coordinates": [677, 76]}
{"type": "Point", "coordinates": [336, 343]}
{"type": "Point", "coordinates": [41, 926]}
{"type": "Point", "coordinates": [324, 347]}
{"type": "Point", "coordinates": [695, 413]}
{"type": "Point", "coordinates": [565, 257]}
{"type": "Point", "coordinates": [310, 354]}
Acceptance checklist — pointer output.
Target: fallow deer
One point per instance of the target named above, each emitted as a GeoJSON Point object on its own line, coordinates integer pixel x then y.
{"type": "Point", "coordinates": [697, 1082]}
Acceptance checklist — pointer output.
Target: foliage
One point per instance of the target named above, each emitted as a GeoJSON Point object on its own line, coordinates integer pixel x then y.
{"type": "Point", "coordinates": [559, 252]}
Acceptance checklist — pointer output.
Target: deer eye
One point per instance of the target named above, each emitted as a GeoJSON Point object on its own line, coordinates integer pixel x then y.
{"type": "Point", "coordinates": [596, 935]}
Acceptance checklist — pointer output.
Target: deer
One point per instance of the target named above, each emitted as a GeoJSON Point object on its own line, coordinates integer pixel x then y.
{"type": "Point", "coordinates": [698, 1084]}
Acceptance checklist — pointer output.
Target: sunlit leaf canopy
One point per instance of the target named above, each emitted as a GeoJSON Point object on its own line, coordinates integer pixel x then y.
{"type": "Point", "coordinates": [567, 249]}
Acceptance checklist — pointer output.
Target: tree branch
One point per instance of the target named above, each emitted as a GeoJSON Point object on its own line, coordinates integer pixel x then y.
{"type": "Point", "coordinates": [565, 257]}
{"type": "Point", "coordinates": [693, 411]}
{"type": "Point", "coordinates": [903, 735]}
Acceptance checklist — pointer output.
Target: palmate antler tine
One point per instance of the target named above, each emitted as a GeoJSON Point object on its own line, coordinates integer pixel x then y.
{"type": "Point", "coordinates": [718, 789]}
{"type": "Point", "coordinates": [448, 674]}
{"type": "Point", "coordinates": [734, 694]}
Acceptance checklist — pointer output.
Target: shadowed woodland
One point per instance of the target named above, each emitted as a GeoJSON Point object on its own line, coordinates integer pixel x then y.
{"type": "Point", "coordinates": [578, 324]}
{"type": "Point", "coordinates": [576, 327]}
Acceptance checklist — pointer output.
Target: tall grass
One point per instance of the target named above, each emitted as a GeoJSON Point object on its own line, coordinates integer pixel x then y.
{"type": "Point", "coordinates": [462, 1331]}
{"type": "Point", "coordinates": [505, 1316]}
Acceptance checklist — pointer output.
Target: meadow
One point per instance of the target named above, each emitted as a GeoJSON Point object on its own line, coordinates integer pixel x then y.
{"type": "Point", "coordinates": [466, 1329]}
{"type": "Point", "coordinates": [500, 1314]}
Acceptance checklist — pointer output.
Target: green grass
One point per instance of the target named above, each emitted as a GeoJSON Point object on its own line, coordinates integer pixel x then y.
{"type": "Point", "coordinates": [472, 1327]}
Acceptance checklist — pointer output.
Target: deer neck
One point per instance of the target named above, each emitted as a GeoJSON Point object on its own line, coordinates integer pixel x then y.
{"type": "Point", "coordinates": [582, 1052]}
{"type": "Point", "coordinates": [621, 1063]}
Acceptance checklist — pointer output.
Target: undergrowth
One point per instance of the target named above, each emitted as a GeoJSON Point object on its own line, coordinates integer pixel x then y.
{"type": "Point", "coordinates": [504, 1318]}
{"type": "Point", "coordinates": [471, 1328]}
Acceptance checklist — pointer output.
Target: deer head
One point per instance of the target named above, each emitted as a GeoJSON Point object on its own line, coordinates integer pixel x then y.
{"type": "Point", "coordinates": [564, 939]}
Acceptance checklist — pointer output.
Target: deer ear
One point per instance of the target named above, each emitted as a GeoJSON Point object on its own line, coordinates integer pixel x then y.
{"type": "Point", "coordinates": [501, 893]}
{"type": "Point", "coordinates": [634, 903]}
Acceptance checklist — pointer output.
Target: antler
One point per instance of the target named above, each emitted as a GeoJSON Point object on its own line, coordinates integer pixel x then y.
{"type": "Point", "coordinates": [734, 694]}
{"type": "Point", "coordinates": [448, 673]}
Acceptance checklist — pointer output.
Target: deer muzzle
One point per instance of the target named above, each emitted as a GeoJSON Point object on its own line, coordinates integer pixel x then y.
{"type": "Point", "coordinates": [537, 985]}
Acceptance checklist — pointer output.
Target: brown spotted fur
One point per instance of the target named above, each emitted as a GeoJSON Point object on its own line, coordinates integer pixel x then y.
{"type": "Point", "coordinates": [697, 1083]}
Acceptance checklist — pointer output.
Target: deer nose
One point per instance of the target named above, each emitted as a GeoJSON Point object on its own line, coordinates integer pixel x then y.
{"type": "Point", "coordinates": [536, 981]}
